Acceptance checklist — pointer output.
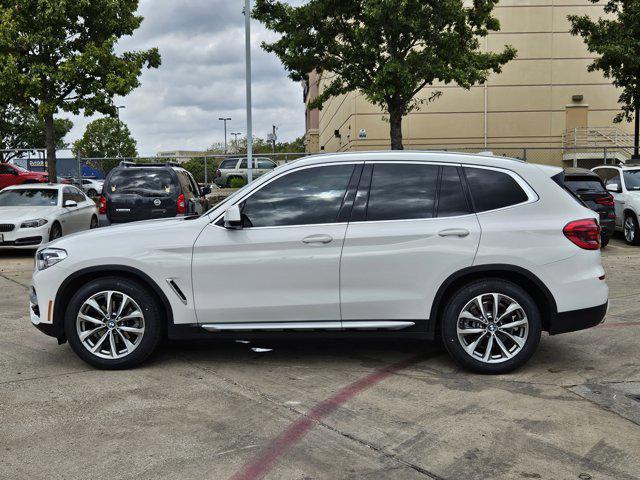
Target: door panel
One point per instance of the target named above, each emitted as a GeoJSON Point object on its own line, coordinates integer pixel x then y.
{"type": "Point", "coordinates": [284, 264]}
{"type": "Point", "coordinates": [392, 270]}
{"type": "Point", "coordinates": [268, 274]}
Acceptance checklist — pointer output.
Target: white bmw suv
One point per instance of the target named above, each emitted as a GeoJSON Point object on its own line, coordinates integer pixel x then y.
{"type": "Point", "coordinates": [485, 252]}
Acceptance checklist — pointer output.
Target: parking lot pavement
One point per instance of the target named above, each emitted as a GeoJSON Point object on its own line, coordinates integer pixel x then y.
{"type": "Point", "coordinates": [316, 410]}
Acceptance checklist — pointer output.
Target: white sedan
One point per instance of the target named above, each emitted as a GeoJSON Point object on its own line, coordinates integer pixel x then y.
{"type": "Point", "coordinates": [32, 215]}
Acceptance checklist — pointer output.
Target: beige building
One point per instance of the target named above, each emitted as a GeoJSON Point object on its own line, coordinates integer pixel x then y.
{"type": "Point", "coordinates": [542, 101]}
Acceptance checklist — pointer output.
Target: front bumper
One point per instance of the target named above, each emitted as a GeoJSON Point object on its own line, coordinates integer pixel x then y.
{"type": "Point", "coordinates": [574, 320]}
{"type": "Point", "coordinates": [25, 238]}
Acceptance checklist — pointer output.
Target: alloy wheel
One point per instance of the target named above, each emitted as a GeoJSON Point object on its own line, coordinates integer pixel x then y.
{"type": "Point", "coordinates": [492, 328]}
{"type": "Point", "coordinates": [629, 229]}
{"type": "Point", "coordinates": [110, 324]}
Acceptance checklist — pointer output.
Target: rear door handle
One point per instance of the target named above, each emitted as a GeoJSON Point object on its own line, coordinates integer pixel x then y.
{"type": "Point", "coordinates": [454, 232]}
{"type": "Point", "coordinates": [321, 238]}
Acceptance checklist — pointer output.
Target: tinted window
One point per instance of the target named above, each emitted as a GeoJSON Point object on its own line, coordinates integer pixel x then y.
{"type": "Point", "coordinates": [77, 195]}
{"type": "Point", "coordinates": [266, 164]}
{"type": "Point", "coordinates": [309, 196]}
{"type": "Point", "coordinates": [606, 174]}
{"type": "Point", "coordinates": [6, 169]}
{"type": "Point", "coordinates": [491, 189]}
{"type": "Point", "coordinates": [402, 191]}
{"type": "Point", "coordinates": [67, 195]}
{"type": "Point", "coordinates": [31, 197]}
{"type": "Point", "coordinates": [228, 164]}
{"type": "Point", "coordinates": [583, 184]}
{"type": "Point", "coordinates": [452, 200]}
{"type": "Point", "coordinates": [146, 182]}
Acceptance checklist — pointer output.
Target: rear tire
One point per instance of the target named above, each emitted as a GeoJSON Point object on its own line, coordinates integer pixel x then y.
{"type": "Point", "coordinates": [604, 241]}
{"type": "Point", "coordinates": [115, 337]}
{"type": "Point", "coordinates": [478, 340]}
{"type": "Point", "coordinates": [92, 193]}
{"type": "Point", "coordinates": [630, 229]}
{"type": "Point", "coordinates": [94, 223]}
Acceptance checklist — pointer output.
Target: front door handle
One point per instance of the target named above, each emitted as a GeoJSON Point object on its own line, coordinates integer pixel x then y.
{"type": "Point", "coordinates": [321, 238]}
{"type": "Point", "coordinates": [454, 232]}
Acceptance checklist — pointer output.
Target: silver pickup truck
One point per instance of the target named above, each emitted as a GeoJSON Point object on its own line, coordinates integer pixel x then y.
{"type": "Point", "coordinates": [237, 168]}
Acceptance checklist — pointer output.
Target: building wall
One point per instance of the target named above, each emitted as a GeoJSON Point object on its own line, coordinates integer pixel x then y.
{"type": "Point", "coordinates": [526, 105]}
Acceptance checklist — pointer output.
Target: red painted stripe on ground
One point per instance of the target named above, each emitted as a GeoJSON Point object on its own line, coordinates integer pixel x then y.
{"type": "Point", "coordinates": [258, 467]}
{"type": "Point", "coordinates": [618, 324]}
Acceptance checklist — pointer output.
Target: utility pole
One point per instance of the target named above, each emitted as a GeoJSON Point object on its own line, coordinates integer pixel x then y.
{"type": "Point", "coordinates": [235, 140]}
{"type": "Point", "coordinates": [225, 120]}
{"type": "Point", "coordinates": [274, 137]}
{"type": "Point", "coordinates": [247, 46]}
{"type": "Point", "coordinates": [119, 129]}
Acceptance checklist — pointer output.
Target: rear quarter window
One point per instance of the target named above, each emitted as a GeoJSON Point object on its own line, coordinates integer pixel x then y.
{"type": "Point", "coordinates": [492, 189]}
{"type": "Point", "coordinates": [228, 164]}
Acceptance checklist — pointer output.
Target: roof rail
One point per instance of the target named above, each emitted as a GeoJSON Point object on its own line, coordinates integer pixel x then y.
{"type": "Point", "coordinates": [133, 164]}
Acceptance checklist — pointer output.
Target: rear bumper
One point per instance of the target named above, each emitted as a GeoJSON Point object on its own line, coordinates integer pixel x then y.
{"type": "Point", "coordinates": [574, 320]}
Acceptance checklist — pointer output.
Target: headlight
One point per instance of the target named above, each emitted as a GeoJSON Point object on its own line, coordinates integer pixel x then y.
{"type": "Point", "coordinates": [38, 222]}
{"type": "Point", "coordinates": [47, 257]}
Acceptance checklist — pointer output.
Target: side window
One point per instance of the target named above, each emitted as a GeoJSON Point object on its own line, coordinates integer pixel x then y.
{"type": "Point", "coordinates": [491, 189]}
{"type": "Point", "coordinates": [194, 186]}
{"type": "Point", "coordinates": [303, 197]}
{"type": "Point", "coordinates": [228, 164]}
{"type": "Point", "coordinates": [615, 180]}
{"type": "Point", "coordinates": [451, 199]}
{"type": "Point", "coordinates": [243, 163]}
{"type": "Point", "coordinates": [402, 191]}
{"type": "Point", "coordinates": [184, 182]}
{"type": "Point", "coordinates": [264, 164]}
{"type": "Point", "coordinates": [5, 170]}
{"type": "Point", "coordinates": [67, 194]}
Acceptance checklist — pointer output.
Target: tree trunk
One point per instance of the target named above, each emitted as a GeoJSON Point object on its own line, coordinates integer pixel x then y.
{"type": "Point", "coordinates": [50, 141]}
{"type": "Point", "coordinates": [395, 126]}
{"type": "Point", "coordinates": [636, 135]}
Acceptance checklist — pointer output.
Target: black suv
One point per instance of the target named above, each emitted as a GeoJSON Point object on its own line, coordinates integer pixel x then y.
{"type": "Point", "coordinates": [588, 187]}
{"type": "Point", "coordinates": [134, 192]}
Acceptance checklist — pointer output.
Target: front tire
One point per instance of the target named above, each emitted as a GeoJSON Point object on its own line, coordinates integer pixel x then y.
{"type": "Point", "coordinates": [491, 326]}
{"type": "Point", "coordinates": [56, 231]}
{"type": "Point", "coordinates": [113, 323]}
{"type": "Point", "coordinates": [631, 230]}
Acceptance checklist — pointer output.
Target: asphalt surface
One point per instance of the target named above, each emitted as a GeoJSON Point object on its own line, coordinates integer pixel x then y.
{"type": "Point", "coordinates": [323, 410]}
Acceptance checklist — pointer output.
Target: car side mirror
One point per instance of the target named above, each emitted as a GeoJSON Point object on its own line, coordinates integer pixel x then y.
{"type": "Point", "coordinates": [233, 218]}
{"type": "Point", "coordinates": [70, 204]}
{"type": "Point", "coordinates": [614, 187]}
{"type": "Point", "coordinates": [205, 191]}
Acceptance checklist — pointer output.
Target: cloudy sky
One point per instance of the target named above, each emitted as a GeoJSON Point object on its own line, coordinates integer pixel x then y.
{"type": "Point", "coordinates": [202, 78]}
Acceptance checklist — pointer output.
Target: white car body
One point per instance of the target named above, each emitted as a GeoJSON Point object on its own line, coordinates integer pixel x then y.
{"type": "Point", "coordinates": [92, 184]}
{"type": "Point", "coordinates": [388, 275]}
{"type": "Point", "coordinates": [625, 197]}
{"type": "Point", "coordinates": [13, 235]}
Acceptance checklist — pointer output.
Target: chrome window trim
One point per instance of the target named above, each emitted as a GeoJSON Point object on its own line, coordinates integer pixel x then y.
{"type": "Point", "coordinates": [282, 174]}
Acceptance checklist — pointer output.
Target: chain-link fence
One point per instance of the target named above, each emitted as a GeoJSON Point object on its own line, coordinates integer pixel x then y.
{"type": "Point", "coordinates": [203, 167]}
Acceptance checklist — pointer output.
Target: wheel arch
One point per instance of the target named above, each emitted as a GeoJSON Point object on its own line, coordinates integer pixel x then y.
{"type": "Point", "coordinates": [79, 278]}
{"type": "Point", "coordinates": [518, 275]}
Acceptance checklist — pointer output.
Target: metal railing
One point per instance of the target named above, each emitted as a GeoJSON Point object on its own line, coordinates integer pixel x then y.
{"type": "Point", "coordinates": [607, 136]}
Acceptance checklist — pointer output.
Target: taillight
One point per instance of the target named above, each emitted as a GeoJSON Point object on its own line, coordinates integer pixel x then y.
{"type": "Point", "coordinates": [103, 205]}
{"type": "Point", "coordinates": [218, 173]}
{"type": "Point", "coordinates": [605, 201]}
{"type": "Point", "coordinates": [584, 233]}
{"type": "Point", "coordinates": [180, 205]}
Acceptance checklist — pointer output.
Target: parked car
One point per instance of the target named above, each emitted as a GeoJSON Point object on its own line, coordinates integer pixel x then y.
{"type": "Point", "coordinates": [92, 187]}
{"type": "Point", "coordinates": [34, 214]}
{"type": "Point", "coordinates": [237, 168]}
{"type": "Point", "coordinates": [15, 175]}
{"type": "Point", "coordinates": [134, 192]}
{"type": "Point", "coordinates": [623, 182]}
{"type": "Point", "coordinates": [486, 252]}
{"type": "Point", "coordinates": [590, 189]}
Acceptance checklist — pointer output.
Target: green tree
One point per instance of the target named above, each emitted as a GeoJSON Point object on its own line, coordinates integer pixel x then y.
{"type": "Point", "coordinates": [60, 55]}
{"type": "Point", "coordinates": [387, 49]}
{"type": "Point", "coordinates": [22, 129]}
{"type": "Point", "coordinates": [196, 167]}
{"type": "Point", "coordinates": [615, 40]}
{"type": "Point", "coordinates": [105, 137]}
{"type": "Point", "coordinates": [262, 146]}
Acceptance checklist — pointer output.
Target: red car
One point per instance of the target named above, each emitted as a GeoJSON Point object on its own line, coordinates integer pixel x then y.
{"type": "Point", "coordinates": [14, 175]}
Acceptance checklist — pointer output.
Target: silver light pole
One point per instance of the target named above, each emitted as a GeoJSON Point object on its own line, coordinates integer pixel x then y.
{"type": "Point", "coordinates": [247, 40]}
{"type": "Point", "coordinates": [225, 120]}
{"type": "Point", "coordinates": [235, 140]}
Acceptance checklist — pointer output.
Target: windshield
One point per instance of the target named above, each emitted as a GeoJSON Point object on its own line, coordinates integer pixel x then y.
{"type": "Point", "coordinates": [146, 182]}
{"type": "Point", "coordinates": [29, 197]}
{"type": "Point", "coordinates": [632, 179]}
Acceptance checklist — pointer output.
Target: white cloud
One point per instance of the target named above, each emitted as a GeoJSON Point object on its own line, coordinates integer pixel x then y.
{"type": "Point", "coordinates": [202, 78]}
